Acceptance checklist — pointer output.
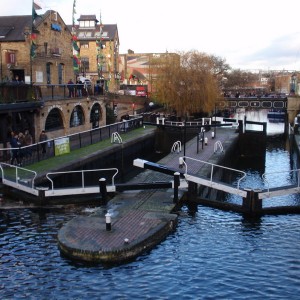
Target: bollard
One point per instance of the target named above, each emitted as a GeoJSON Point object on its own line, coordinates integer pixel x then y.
{"type": "Point", "coordinates": [108, 221]}
{"type": "Point", "coordinates": [176, 185]}
{"type": "Point", "coordinates": [103, 190]}
{"type": "Point", "coordinates": [205, 141]}
{"type": "Point", "coordinates": [212, 134]}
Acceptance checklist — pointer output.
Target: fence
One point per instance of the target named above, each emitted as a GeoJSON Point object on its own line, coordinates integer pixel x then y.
{"type": "Point", "coordinates": [23, 156]}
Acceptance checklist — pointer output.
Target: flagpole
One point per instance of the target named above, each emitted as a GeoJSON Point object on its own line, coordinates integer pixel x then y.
{"type": "Point", "coordinates": [30, 53]}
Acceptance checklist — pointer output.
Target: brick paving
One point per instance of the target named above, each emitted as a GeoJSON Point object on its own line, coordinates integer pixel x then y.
{"type": "Point", "coordinates": [143, 217]}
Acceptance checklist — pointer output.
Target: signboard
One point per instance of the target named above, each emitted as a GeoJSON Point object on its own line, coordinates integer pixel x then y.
{"type": "Point", "coordinates": [61, 146]}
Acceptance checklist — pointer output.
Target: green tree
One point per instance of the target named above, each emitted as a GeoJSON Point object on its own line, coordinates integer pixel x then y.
{"type": "Point", "coordinates": [189, 82]}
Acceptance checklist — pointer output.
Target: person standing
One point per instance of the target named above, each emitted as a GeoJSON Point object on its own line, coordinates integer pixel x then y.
{"type": "Point", "coordinates": [28, 142]}
{"type": "Point", "coordinates": [79, 88]}
{"type": "Point", "coordinates": [21, 142]}
{"type": "Point", "coordinates": [43, 138]}
{"type": "Point", "coordinates": [15, 151]}
{"type": "Point", "coordinates": [70, 86]}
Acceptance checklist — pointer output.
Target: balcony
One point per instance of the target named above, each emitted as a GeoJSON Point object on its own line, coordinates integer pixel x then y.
{"type": "Point", "coordinates": [19, 96]}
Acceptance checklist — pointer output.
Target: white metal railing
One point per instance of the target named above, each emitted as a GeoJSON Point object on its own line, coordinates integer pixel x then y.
{"type": "Point", "coordinates": [280, 191]}
{"type": "Point", "coordinates": [176, 147]}
{"type": "Point", "coordinates": [83, 187]}
{"type": "Point", "coordinates": [116, 138]}
{"type": "Point", "coordinates": [209, 182]}
{"type": "Point", "coordinates": [21, 178]}
{"type": "Point", "coordinates": [218, 144]}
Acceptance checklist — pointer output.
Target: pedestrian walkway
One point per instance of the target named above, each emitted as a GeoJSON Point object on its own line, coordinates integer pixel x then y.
{"type": "Point", "coordinates": [135, 221]}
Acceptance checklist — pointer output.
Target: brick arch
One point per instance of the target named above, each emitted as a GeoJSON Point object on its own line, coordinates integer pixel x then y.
{"type": "Point", "coordinates": [96, 114]}
{"type": "Point", "coordinates": [54, 120]}
{"type": "Point", "coordinates": [77, 117]}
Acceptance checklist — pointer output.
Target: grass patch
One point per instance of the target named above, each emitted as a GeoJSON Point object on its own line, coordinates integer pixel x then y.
{"type": "Point", "coordinates": [53, 162]}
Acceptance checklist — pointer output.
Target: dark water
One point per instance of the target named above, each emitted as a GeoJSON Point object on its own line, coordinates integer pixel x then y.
{"type": "Point", "coordinates": [211, 255]}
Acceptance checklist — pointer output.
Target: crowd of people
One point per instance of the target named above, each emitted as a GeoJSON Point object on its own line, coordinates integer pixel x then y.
{"type": "Point", "coordinates": [20, 142]}
{"type": "Point", "coordinates": [75, 89]}
{"type": "Point", "coordinates": [17, 141]}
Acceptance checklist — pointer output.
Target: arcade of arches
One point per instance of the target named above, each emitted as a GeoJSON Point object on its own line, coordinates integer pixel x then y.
{"type": "Point", "coordinates": [56, 117]}
{"type": "Point", "coordinates": [59, 118]}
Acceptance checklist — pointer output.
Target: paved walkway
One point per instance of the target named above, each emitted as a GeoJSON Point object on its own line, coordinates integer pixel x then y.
{"type": "Point", "coordinates": [139, 219]}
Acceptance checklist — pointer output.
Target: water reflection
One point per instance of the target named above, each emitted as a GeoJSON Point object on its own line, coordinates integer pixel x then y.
{"type": "Point", "coordinates": [260, 115]}
{"type": "Point", "coordinates": [212, 254]}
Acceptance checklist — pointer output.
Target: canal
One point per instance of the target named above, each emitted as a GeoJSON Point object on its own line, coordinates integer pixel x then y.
{"type": "Point", "coordinates": [212, 254]}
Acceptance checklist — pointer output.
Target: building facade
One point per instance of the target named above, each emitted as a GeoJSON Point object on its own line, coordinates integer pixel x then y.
{"type": "Point", "coordinates": [50, 62]}
{"type": "Point", "coordinates": [99, 51]}
{"type": "Point", "coordinates": [37, 55]}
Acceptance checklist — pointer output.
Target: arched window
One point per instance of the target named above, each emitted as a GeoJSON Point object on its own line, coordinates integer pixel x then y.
{"type": "Point", "coordinates": [77, 116]}
{"type": "Point", "coordinates": [54, 120]}
{"type": "Point", "coordinates": [48, 72]}
{"type": "Point", "coordinates": [61, 73]}
{"type": "Point", "coordinates": [95, 115]}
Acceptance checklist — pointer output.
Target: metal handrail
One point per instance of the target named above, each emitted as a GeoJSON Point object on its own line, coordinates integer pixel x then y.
{"type": "Point", "coordinates": [176, 147]}
{"type": "Point", "coordinates": [182, 161]}
{"type": "Point", "coordinates": [17, 168]}
{"type": "Point", "coordinates": [116, 137]}
{"type": "Point", "coordinates": [280, 172]}
{"type": "Point", "coordinates": [218, 144]}
{"type": "Point", "coordinates": [82, 175]}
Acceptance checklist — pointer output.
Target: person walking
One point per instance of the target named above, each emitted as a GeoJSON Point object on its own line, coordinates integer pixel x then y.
{"type": "Point", "coordinates": [43, 138]}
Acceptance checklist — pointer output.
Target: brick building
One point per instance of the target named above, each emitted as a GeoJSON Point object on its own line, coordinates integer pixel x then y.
{"type": "Point", "coordinates": [41, 52]}
{"type": "Point", "coordinates": [51, 62]}
{"type": "Point", "coordinates": [99, 51]}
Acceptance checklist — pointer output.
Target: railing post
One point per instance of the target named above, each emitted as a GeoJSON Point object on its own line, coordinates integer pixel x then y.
{"type": "Point", "coordinates": [103, 191]}
{"type": "Point", "coordinates": [192, 195]}
{"type": "Point", "coordinates": [176, 185]}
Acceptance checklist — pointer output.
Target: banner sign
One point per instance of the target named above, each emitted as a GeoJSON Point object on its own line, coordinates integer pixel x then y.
{"type": "Point", "coordinates": [61, 146]}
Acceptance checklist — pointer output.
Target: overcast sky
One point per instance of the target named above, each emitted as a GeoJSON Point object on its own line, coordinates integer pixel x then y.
{"type": "Point", "coordinates": [249, 34]}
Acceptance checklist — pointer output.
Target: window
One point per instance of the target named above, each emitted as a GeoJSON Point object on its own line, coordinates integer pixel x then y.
{"type": "Point", "coordinates": [54, 120]}
{"type": "Point", "coordinates": [85, 64]}
{"type": "Point", "coordinates": [84, 45]}
{"type": "Point", "coordinates": [60, 73]}
{"type": "Point", "coordinates": [77, 117]}
{"type": "Point", "coordinates": [84, 34]}
{"type": "Point", "coordinates": [95, 115]}
{"type": "Point", "coordinates": [48, 72]}
{"type": "Point", "coordinates": [87, 24]}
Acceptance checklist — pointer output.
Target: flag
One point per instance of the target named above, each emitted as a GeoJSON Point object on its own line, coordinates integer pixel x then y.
{"type": "Point", "coordinates": [36, 6]}
{"type": "Point", "coordinates": [33, 47]}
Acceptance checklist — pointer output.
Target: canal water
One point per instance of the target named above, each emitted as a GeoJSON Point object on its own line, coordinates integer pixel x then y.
{"type": "Point", "coordinates": [212, 255]}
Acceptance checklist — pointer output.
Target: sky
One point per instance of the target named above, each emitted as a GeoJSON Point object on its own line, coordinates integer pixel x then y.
{"type": "Point", "coordinates": [248, 34]}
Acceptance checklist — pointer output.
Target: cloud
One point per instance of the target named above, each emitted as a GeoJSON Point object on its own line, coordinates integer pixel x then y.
{"type": "Point", "coordinates": [280, 53]}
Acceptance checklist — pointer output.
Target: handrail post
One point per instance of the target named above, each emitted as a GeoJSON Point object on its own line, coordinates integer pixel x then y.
{"type": "Point", "coordinates": [211, 173]}
{"type": "Point", "coordinates": [82, 178]}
